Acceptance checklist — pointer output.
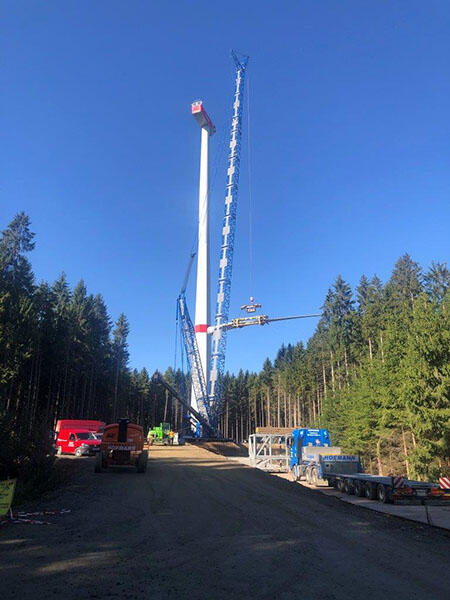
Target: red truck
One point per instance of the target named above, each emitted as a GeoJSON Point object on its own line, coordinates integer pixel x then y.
{"type": "Point", "coordinates": [78, 436]}
{"type": "Point", "coordinates": [89, 424]}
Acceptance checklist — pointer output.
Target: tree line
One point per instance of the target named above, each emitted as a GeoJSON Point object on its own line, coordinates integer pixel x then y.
{"type": "Point", "coordinates": [61, 356]}
{"type": "Point", "coordinates": [376, 372]}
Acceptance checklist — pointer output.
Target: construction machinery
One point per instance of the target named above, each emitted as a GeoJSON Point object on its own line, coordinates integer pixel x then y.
{"type": "Point", "coordinates": [313, 458]}
{"type": "Point", "coordinates": [122, 445]}
{"type": "Point", "coordinates": [159, 435]}
{"type": "Point", "coordinates": [196, 417]}
{"type": "Point", "coordinates": [205, 341]}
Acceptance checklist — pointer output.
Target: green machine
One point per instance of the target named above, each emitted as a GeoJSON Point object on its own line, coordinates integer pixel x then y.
{"type": "Point", "coordinates": [159, 435]}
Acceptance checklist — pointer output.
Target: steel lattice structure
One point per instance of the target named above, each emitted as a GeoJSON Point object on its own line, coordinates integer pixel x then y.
{"type": "Point", "coordinates": [193, 357]}
{"type": "Point", "coordinates": [219, 335]}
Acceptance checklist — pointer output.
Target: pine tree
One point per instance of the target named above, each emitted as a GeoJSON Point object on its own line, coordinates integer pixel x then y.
{"type": "Point", "coordinates": [437, 281]}
{"type": "Point", "coordinates": [120, 354]}
{"type": "Point", "coordinates": [405, 283]}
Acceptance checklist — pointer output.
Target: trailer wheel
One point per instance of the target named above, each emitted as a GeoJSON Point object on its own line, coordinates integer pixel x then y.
{"type": "Point", "coordinates": [340, 485]}
{"type": "Point", "coordinates": [359, 488]}
{"type": "Point", "coordinates": [142, 462]}
{"type": "Point", "coordinates": [348, 486]}
{"type": "Point", "coordinates": [98, 463]}
{"type": "Point", "coordinates": [370, 491]}
{"type": "Point", "coordinates": [383, 494]}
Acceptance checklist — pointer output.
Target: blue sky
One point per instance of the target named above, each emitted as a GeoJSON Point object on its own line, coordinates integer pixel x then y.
{"type": "Point", "coordinates": [349, 129]}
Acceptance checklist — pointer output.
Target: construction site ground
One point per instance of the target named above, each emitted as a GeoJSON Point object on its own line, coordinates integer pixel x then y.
{"type": "Point", "coordinates": [198, 525]}
{"type": "Point", "coordinates": [435, 513]}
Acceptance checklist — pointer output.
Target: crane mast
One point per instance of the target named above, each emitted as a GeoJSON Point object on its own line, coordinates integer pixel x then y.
{"type": "Point", "coordinates": [206, 400]}
{"type": "Point", "coordinates": [218, 341]}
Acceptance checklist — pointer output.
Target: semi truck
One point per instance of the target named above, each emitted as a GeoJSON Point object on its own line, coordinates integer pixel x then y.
{"type": "Point", "coordinates": [313, 458]}
{"type": "Point", "coordinates": [307, 445]}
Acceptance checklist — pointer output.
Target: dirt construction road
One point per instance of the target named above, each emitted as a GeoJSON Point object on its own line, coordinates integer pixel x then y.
{"type": "Point", "coordinates": [199, 526]}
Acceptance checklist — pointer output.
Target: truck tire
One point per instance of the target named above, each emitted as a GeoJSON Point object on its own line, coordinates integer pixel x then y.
{"type": "Point", "coordinates": [314, 476]}
{"type": "Point", "coordinates": [340, 485]}
{"type": "Point", "coordinates": [98, 463]}
{"type": "Point", "coordinates": [308, 475]}
{"type": "Point", "coordinates": [142, 462]}
{"type": "Point", "coordinates": [383, 494]}
{"type": "Point", "coordinates": [348, 486]}
{"type": "Point", "coordinates": [370, 491]}
{"type": "Point", "coordinates": [295, 473]}
{"type": "Point", "coordinates": [359, 488]}
{"type": "Point", "coordinates": [78, 452]}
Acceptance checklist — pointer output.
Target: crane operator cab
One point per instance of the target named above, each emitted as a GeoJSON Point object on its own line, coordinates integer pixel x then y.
{"type": "Point", "coordinates": [251, 307]}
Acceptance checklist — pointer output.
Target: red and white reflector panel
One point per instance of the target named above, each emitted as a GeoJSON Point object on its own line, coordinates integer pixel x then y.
{"type": "Point", "coordinates": [444, 483]}
{"type": "Point", "coordinates": [398, 482]}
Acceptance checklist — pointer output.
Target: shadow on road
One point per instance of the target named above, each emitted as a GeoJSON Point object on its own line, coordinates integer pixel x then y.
{"type": "Point", "coordinates": [198, 526]}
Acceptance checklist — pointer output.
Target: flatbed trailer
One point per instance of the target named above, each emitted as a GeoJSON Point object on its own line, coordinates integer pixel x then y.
{"type": "Point", "coordinates": [313, 458]}
{"type": "Point", "coordinates": [385, 489]}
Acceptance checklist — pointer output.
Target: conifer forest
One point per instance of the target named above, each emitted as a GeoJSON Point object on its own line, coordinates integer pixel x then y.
{"type": "Point", "coordinates": [376, 371]}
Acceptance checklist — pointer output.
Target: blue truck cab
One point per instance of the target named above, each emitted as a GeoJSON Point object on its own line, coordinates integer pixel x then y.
{"type": "Point", "coordinates": [307, 446]}
{"type": "Point", "coordinates": [304, 438]}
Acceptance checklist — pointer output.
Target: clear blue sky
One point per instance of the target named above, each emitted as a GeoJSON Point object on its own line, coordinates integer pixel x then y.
{"type": "Point", "coordinates": [349, 137]}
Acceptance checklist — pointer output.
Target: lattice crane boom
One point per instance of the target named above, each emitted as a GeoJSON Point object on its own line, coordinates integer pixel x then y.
{"type": "Point", "coordinates": [218, 341]}
{"type": "Point", "coordinates": [193, 357]}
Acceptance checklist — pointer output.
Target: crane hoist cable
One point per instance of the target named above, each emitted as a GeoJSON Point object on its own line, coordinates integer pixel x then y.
{"type": "Point", "coordinates": [250, 197]}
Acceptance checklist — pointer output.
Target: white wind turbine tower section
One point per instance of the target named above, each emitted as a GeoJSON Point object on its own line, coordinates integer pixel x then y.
{"type": "Point", "coordinates": [202, 295]}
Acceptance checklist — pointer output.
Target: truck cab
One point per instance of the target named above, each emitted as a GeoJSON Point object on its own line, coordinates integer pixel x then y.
{"type": "Point", "coordinates": [303, 438]}
{"type": "Point", "coordinates": [314, 458]}
{"type": "Point", "coordinates": [80, 442]}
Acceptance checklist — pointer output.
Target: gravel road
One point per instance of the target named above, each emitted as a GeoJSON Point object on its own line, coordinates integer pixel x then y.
{"type": "Point", "coordinates": [199, 526]}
